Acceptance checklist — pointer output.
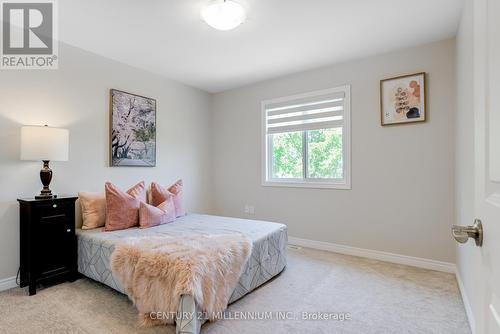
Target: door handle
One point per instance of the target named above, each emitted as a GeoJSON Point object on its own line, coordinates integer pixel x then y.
{"type": "Point", "coordinates": [463, 233]}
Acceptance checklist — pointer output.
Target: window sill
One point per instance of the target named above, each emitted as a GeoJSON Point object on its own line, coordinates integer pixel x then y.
{"type": "Point", "coordinates": [313, 185]}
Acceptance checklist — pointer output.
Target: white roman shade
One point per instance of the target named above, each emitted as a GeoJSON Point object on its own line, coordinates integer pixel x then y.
{"type": "Point", "coordinates": [319, 110]}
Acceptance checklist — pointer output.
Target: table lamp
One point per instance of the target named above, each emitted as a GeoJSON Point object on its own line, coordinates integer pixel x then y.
{"type": "Point", "coordinates": [43, 143]}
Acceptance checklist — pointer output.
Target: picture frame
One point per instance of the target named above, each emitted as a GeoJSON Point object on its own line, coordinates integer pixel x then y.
{"type": "Point", "coordinates": [132, 141]}
{"type": "Point", "coordinates": [403, 99]}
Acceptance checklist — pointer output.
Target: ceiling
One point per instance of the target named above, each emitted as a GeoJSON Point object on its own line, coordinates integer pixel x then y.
{"type": "Point", "coordinates": [279, 37]}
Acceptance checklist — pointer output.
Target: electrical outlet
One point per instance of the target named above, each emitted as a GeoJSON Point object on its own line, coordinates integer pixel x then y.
{"type": "Point", "coordinates": [249, 209]}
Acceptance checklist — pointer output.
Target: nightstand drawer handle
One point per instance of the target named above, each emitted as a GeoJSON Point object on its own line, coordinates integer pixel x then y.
{"type": "Point", "coordinates": [54, 205]}
{"type": "Point", "coordinates": [68, 230]}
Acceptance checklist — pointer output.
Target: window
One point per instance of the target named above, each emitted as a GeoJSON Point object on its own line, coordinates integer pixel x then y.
{"type": "Point", "coordinates": [306, 140]}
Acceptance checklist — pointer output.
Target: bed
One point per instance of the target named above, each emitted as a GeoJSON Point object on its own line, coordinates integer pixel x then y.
{"type": "Point", "coordinates": [268, 257]}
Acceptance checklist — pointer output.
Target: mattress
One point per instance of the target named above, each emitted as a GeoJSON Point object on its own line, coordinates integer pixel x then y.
{"type": "Point", "coordinates": [267, 260]}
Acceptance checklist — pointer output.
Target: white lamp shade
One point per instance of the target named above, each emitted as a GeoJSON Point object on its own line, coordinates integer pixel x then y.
{"type": "Point", "coordinates": [44, 143]}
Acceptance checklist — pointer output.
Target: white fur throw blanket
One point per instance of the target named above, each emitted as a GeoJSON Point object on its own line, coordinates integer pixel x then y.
{"type": "Point", "coordinates": [156, 271]}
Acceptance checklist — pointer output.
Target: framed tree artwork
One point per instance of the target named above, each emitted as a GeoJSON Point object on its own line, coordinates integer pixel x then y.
{"type": "Point", "coordinates": [133, 130]}
{"type": "Point", "coordinates": [402, 99]}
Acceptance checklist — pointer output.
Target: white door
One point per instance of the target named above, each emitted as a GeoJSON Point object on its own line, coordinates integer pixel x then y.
{"type": "Point", "coordinates": [487, 159]}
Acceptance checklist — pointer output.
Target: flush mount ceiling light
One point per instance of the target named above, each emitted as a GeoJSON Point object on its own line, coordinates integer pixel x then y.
{"type": "Point", "coordinates": [223, 15]}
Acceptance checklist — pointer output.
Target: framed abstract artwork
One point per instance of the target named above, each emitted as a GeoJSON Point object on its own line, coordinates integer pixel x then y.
{"type": "Point", "coordinates": [132, 130]}
{"type": "Point", "coordinates": [402, 99]}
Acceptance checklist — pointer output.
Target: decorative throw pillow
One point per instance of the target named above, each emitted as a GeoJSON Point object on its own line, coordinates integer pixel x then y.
{"type": "Point", "coordinates": [93, 210]}
{"type": "Point", "coordinates": [150, 215]}
{"type": "Point", "coordinates": [159, 195]}
{"type": "Point", "coordinates": [122, 208]}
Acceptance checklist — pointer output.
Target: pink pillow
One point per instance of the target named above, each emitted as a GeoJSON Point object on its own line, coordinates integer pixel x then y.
{"type": "Point", "coordinates": [93, 210]}
{"type": "Point", "coordinates": [122, 208]}
{"type": "Point", "coordinates": [159, 195]}
{"type": "Point", "coordinates": [150, 215]}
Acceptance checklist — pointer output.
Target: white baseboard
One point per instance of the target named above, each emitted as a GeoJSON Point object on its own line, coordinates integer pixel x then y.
{"type": "Point", "coordinates": [465, 299]}
{"type": "Point", "coordinates": [374, 254]}
{"type": "Point", "coordinates": [8, 283]}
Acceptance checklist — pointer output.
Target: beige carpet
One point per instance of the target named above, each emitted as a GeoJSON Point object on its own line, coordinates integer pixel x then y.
{"type": "Point", "coordinates": [380, 298]}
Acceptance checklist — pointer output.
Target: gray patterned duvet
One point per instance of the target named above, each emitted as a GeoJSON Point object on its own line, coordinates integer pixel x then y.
{"type": "Point", "coordinates": [268, 254]}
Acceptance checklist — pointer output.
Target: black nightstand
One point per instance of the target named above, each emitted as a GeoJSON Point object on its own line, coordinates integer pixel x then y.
{"type": "Point", "coordinates": [48, 241]}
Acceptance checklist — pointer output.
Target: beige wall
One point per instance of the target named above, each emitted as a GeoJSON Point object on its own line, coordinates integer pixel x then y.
{"type": "Point", "coordinates": [76, 97]}
{"type": "Point", "coordinates": [402, 177]}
